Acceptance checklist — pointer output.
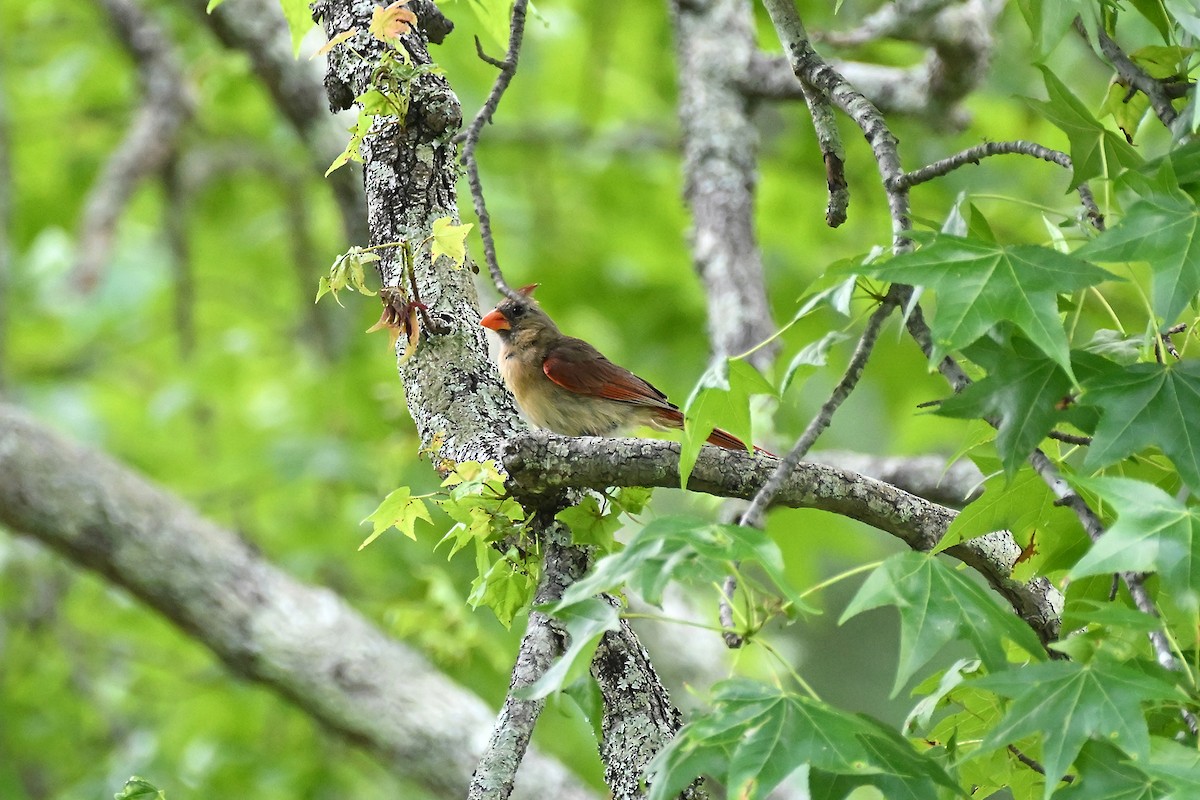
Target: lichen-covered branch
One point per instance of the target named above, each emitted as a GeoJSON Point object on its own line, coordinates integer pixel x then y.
{"type": "Point", "coordinates": [461, 409]}
{"type": "Point", "coordinates": [959, 41]}
{"type": "Point", "coordinates": [639, 719]}
{"type": "Point", "coordinates": [303, 641]}
{"type": "Point", "coordinates": [149, 142]}
{"type": "Point", "coordinates": [545, 462]}
{"type": "Point", "coordinates": [496, 774]}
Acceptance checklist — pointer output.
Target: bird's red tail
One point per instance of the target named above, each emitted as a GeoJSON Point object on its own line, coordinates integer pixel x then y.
{"type": "Point", "coordinates": [730, 442]}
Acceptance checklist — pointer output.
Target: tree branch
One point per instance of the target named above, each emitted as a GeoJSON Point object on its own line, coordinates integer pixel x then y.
{"type": "Point", "coordinates": [1137, 78]}
{"type": "Point", "coordinates": [544, 462]}
{"type": "Point", "coordinates": [639, 719]}
{"type": "Point", "coordinates": [973, 155]}
{"type": "Point", "coordinates": [148, 144]}
{"type": "Point", "coordinates": [496, 772]}
{"type": "Point", "coordinates": [461, 409]}
{"type": "Point", "coordinates": [470, 138]}
{"type": "Point", "coordinates": [714, 41]}
{"type": "Point", "coordinates": [959, 39]}
{"type": "Point", "coordinates": [302, 641]}
{"type": "Point", "coordinates": [753, 515]}
{"type": "Point", "coordinates": [931, 477]}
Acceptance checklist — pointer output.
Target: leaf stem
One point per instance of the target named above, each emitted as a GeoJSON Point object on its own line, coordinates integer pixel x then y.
{"type": "Point", "coordinates": [825, 584]}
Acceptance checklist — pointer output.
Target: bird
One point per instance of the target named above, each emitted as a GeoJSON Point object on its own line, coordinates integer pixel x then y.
{"type": "Point", "coordinates": [566, 386]}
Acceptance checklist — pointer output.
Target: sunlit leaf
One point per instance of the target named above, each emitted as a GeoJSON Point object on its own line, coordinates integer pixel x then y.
{"type": "Point", "coordinates": [1096, 151]}
{"type": "Point", "coordinates": [450, 240]}
{"type": "Point", "coordinates": [399, 510]}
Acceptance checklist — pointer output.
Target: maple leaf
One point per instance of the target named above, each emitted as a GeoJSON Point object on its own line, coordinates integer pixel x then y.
{"type": "Point", "coordinates": [1147, 405]}
{"type": "Point", "coordinates": [395, 20]}
{"type": "Point", "coordinates": [937, 606]}
{"type": "Point", "coordinates": [979, 284]}
{"type": "Point", "coordinates": [1069, 703]}
{"type": "Point", "coordinates": [1095, 150]}
{"type": "Point", "coordinates": [400, 510]}
{"type": "Point", "coordinates": [1165, 232]}
{"type": "Point", "coordinates": [450, 240]}
{"type": "Point", "coordinates": [757, 735]}
{"type": "Point", "coordinates": [1022, 391]}
{"type": "Point", "coordinates": [1153, 531]}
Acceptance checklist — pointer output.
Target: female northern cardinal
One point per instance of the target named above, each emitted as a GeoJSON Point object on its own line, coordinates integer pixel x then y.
{"type": "Point", "coordinates": [565, 385]}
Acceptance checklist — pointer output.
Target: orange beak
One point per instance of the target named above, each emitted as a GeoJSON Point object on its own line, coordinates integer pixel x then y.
{"type": "Point", "coordinates": [495, 320]}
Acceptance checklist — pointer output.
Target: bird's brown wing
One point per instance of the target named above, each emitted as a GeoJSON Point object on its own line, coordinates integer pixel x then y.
{"type": "Point", "coordinates": [578, 367]}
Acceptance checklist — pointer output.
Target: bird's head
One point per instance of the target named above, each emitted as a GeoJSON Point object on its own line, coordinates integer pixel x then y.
{"type": "Point", "coordinates": [520, 318]}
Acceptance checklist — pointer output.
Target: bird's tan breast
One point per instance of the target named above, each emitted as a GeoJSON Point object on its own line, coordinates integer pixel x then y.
{"type": "Point", "coordinates": [548, 405]}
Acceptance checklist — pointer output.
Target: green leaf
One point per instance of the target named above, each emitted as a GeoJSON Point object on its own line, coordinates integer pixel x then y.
{"type": "Point", "coordinates": [833, 289]}
{"type": "Point", "coordinates": [450, 240]}
{"type": "Point", "coordinates": [1163, 231]}
{"type": "Point", "coordinates": [721, 399]}
{"type": "Point", "coordinates": [970, 714]}
{"type": "Point", "coordinates": [398, 510]}
{"type": "Point", "coordinates": [811, 356]}
{"type": "Point", "coordinates": [1095, 150]}
{"type": "Point", "coordinates": [586, 621]}
{"type": "Point", "coordinates": [1153, 531]}
{"type": "Point", "coordinates": [493, 18]}
{"type": "Point", "coordinates": [1156, 13]}
{"type": "Point", "coordinates": [1068, 703]}
{"type": "Point", "coordinates": [139, 789]}
{"type": "Point", "coordinates": [979, 284]}
{"type": "Point", "coordinates": [1176, 765]}
{"type": "Point", "coordinates": [1049, 21]}
{"type": "Point", "coordinates": [1147, 405]}
{"type": "Point", "coordinates": [921, 716]}
{"type": "Point", "coordinates": [685, 549]}
{"type": "Point", "coordinates": [506, 588]}
{"type": "Point", "coordinates": [757, 735]}
{"type": "Point", "coordinates": [938, 605]}
{"type": "Point", "coordinates": [1102, 772]}
{"type": "Point", "coordinates": [1023, 390]}
{"type": "Point", "coordinates": [1026, 507]}
{"type": "Point", "coordinates": [589, 525]}
{"type": "Point", "coordinates": [299, 19]}
{"type": "Point", "coordinates": [1184, 13]}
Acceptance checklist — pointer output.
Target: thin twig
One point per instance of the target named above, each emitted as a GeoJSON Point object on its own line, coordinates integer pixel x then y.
{"type": "Point", "coordinates": [1137, 78]}
{"type": "Point", "coordinates": [470, 139]}
{"type": "Point", "coordinates": [858, 361]}
{"type": "Point", "coordinates": [832, 152]}
{"type": "Point", "coordinates": [973, 155]}
{"type": "Point", "coordinates": [1034, 765]}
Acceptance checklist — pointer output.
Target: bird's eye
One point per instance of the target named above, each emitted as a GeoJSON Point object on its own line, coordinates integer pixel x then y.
{"type": "Point", "coordinates": [517, 311]}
